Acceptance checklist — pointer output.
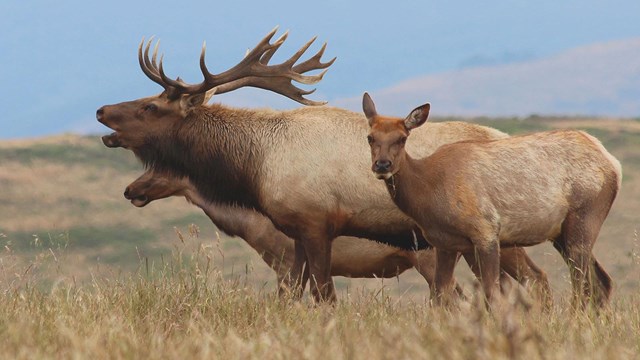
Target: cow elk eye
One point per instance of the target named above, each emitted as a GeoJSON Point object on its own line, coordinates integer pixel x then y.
{"type": "Point", "coordinates": [370, 139]}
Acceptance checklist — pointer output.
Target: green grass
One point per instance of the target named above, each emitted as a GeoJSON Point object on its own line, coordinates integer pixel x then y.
{"type": "Point", "coordinates": [121, 246]}
{"type": "Point", "coordinates": [199, 219]}
{"type": "Point", "coordinates": [514, 125]}
{"type": "Point", "coordinates": [619, 140]}
{"type": "Point", "coordinates": [95, 155]}
{"type": "Point", "coordinates": [77, 238]}
{"type": "Point", "coordinates": [509, 125]}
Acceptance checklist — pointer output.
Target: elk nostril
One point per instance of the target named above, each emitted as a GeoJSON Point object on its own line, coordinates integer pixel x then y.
{"type": "Point", "coordinates": [99, 113]}
{"type": "Point", "coordinates": [383, 165]}
{"type": "Point", "coordinates": [127, 192]}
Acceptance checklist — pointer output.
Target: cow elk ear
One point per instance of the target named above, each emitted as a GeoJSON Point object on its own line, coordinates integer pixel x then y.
{"type": "Point", "coordinates": [417, 117]}
{"type": "Point", "coordinates": [369, 108]}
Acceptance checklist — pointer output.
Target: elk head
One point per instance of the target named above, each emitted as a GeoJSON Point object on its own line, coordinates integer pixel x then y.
{"type": "Point", "coordinates": [388, 136]}
{"type": "Point", "coordinates": [136, 121]}
{"type": "Point", "coordinates": [152, 186]}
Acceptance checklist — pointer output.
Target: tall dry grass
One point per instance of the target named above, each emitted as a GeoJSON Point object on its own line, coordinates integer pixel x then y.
{"type": "Point", "coordinates": [183, 307]}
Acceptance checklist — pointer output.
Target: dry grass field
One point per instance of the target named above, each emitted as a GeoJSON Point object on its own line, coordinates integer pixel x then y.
{"type": "Point", "coordinates": [84, 274]}
{"type": "Point", "coordinates": [183, 307]}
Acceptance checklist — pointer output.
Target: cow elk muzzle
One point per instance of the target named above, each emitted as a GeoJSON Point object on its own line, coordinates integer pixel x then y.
{"type": "Point", "coordinates": [382, 168]}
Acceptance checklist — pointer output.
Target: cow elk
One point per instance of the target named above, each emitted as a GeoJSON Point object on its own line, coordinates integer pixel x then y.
{"type": "Point", "coordinates": [350, 257]}
{"type": "Point", "coordinates": [303, 169]}
{"type": "Point", "coordinates": [477, 196]}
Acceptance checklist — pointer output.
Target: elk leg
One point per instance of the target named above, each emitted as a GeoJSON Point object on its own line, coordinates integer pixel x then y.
{"type": "Point", "coordinates": [578, 262]}
{"type": "Point", "coordinates": [599, 276]}
{"type": "Point", "coordinates": [425, 263]}
{"type": "Point", "coordinates": [515, 262]}
{"type": "Point", "coordinates": [590, 281]}
{"type": "Point", "coordinates": [444, 284]}
{"type": "Point", "coordinates": [318, 251]}
{"type": "Point", "coordinates": [488, 258]}
{"type": "Point", "coordinates": [296, 279]}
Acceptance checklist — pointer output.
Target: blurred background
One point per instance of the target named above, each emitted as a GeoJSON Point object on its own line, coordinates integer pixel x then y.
{"type": "Point", "coordinates": [513, 58]}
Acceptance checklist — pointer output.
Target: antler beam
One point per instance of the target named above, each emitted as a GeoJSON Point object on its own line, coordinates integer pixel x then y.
{"type": "Point", "coordinates": [254, 70]}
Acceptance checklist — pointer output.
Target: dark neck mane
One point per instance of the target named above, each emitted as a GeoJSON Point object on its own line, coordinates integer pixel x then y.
{"type": "Point", "coordinates": [220, 150]}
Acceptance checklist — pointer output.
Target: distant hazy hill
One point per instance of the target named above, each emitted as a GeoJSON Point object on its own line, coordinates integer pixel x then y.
{"type": "Point", "coordinates": [598, 79]}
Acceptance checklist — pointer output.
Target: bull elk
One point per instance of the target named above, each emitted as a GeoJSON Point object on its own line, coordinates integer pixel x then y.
{"type": "Point", "coordinates": [303, 168]}
{"type": "Point", "coordinates": [350, 256]}
{"type": "Point", "coordinates": [478, 196]}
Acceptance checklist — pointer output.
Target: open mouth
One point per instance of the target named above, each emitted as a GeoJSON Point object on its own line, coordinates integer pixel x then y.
{"type": "Point", "coordinates": [140, 201]}
{"type": "Point", "coordinates": [111, 140]}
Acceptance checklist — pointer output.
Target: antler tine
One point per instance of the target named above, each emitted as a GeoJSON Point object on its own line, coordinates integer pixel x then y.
{"type": "Point", "coordinates": [244, 68]}
{"type": "Point", "coordinates": [143, 59]}
{"type": "Point", "coordinates": [265, 45]}
{"type": "Point", "coordinates": [155, 55]}
{"type": "Point", "coordinates": [298, 95]}
{"type": "Point", "coordinates": [296, 72]}
{"type": "Point", "coordinates": [292, 60]}
{"type": "Point", "coordinates": [203, 65]}
{"type": "Point", "coordinates": [284, 86]}
{"type": "Point", "coordinates": [314, 63]}
{"type": "Point", "coordinates": [203, 86]}
{"type": "Point", "coordinates": [276, 45]}
{"type": "Point", "coordinates": [311, 79]}
{"type": "Point", "coordinates": [170, 82]}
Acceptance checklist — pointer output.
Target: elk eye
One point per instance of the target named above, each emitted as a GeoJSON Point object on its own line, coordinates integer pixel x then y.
{"type": "Point", "coordinates": [370, 139]}
{"type": "Point", "coordinates": [403, 140]}
{"type": "Point", "coordinates": [150, 107]}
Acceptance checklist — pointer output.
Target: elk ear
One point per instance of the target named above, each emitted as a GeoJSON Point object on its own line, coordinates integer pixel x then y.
{"type": "Point", "coordinates": [191, 101]}
{"type": "Point", "coordinates": [369, 108]}
{"type": "Point", "coordinates": [208, 95]}
{"type": "Point", "coordinates": [417, 117]}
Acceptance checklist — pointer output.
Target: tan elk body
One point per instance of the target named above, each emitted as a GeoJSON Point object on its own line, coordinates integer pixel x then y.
{"type": "Point", "coordinates": [475, 196]}
{"type": "Point", "coordinates": [350, 257]}
{"type": "Point", "coordinates": [303, 168]}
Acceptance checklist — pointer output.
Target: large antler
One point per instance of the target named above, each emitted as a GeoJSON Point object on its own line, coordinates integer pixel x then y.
{"type": "Point", "coordinates": [254, 70]}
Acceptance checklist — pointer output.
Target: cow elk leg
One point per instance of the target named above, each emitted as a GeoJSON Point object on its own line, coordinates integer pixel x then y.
{"type": "Point", "coordinates": [444, 284]}
{"type": "Point", "coordinates": [425, 263]}
{"type": "Point", "coordinates": [515, 262]}
{"type": "Point", "coordinates": [488, 260]}
{"type": "Point", "coordinates": [591, 283]}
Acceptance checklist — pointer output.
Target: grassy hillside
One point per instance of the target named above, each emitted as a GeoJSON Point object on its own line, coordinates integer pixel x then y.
{"type": "Point", "coordinates": [61, 203]}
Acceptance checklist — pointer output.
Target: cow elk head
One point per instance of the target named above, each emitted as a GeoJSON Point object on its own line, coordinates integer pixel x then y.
{"type": "Point", "coordinates": [388, 135]}
{"type": "Point", "coordinates": [152, 186]}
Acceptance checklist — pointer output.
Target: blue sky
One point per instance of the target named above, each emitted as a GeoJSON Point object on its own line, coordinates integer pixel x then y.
{"type": "Point", "coordinates": [61, 61]}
